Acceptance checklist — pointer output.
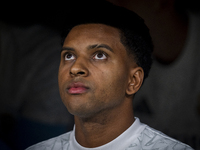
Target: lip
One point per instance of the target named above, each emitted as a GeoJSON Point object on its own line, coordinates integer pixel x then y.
{"type": "Point", "coordinates": [77, 88]}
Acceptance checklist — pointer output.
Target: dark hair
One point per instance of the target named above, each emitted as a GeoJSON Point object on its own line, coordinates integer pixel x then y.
{"type": "Point", "coordinates": [134, 33]}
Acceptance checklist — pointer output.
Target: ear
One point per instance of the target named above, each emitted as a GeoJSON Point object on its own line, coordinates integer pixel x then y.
{"type": "Point", "coordinates": [135, 80]}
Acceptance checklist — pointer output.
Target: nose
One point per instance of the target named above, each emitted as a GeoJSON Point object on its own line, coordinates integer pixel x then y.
{"type": "Point", "coordinates": [79, 68]}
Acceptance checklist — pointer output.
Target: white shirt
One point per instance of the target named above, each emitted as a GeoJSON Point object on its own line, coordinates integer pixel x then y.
{"type": "Point", "coordinates": [137, 137]}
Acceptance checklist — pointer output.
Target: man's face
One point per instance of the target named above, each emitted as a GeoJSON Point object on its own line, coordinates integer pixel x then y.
{"type": "Point", "coordinates": [94, 70]}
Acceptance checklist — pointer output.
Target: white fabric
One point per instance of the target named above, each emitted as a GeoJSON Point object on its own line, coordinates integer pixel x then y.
{"type": "Point", "coordinates": [137, 137]}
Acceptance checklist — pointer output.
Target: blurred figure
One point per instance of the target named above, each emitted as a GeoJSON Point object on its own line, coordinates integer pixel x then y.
{"type": "Point", "coordinates": [30, 106]}
{"type": "Point", "coordinates": [170, 99]}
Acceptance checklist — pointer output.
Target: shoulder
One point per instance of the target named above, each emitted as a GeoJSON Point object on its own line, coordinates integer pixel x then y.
{"type": "Point", "coordinates": [58, 142]}
{"type": "Point", "coordinates": [153, 139]}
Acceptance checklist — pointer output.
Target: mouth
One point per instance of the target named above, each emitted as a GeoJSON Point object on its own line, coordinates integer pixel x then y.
{"type": "Point", "coordinates": [77, 88]}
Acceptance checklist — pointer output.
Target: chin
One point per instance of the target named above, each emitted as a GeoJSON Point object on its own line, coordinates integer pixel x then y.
{"type": "Point", "coordinates": [85, 113]}
{"type": "Point", "coordinates": [79, 111]}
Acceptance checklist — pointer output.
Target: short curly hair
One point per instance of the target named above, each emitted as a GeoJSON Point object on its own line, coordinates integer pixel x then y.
{"type": "Point", "coordinates": [134, 33]}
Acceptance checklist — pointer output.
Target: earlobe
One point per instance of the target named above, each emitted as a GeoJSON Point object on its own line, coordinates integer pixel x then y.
{"type": "Point", "coordinates": [135, 80]}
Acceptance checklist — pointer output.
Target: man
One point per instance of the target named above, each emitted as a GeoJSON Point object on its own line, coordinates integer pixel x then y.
{"type": "Point", "coordinates": [104, 61]}
{"type": "Point", "coordinates": [173, 89]}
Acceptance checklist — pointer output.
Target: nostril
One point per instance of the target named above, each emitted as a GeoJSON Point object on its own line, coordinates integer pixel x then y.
{"type": "Point", "coordinates": [81, 73]}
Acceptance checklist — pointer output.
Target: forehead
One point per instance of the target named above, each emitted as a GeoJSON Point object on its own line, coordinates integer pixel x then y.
{"type": "Point", "coordinates": [94, 33]}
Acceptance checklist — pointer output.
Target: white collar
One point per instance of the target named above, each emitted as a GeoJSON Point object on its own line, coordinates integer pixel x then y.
{"type": "Point", "coordinates": [121, 142]}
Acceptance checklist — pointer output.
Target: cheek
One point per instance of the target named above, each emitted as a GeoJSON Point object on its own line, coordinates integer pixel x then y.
{"type": "Point", "coordinates": [112, 82]}
{"type": "Point", "coordinates": [63, 74]}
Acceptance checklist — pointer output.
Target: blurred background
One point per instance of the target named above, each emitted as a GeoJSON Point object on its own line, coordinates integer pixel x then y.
{"type": "Point", "coordinates": [30, 106]}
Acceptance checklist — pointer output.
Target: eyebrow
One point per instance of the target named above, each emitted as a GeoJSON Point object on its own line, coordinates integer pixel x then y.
{"type": "Point", "coordinates": [90, 47]}
{"type": "Point", "coordinates": [67, 48]}
{"type": "Point", "coordinates": [100, 46]}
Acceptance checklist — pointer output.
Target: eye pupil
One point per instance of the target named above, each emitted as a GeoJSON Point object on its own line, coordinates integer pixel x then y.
{"type": "Point", "coordinates": [69, 55]}
{"type": "Point", "coordinates": [100, 55]}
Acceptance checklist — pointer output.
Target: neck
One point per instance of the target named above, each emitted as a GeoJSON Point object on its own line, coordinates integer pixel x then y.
{"type": "Point", "coordinates": [104, 127]}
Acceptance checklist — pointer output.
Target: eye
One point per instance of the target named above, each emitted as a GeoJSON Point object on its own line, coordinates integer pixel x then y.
{"type": "Point", "coordinates": [69, 56]}
{"type": "Point", "coordinates": [100, 55]}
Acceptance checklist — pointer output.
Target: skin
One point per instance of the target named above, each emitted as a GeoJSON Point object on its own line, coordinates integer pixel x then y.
{"type": "Point", "coordinates": [94, 60]}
